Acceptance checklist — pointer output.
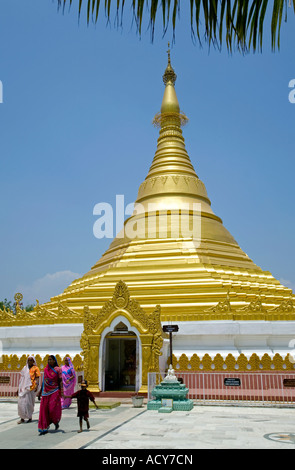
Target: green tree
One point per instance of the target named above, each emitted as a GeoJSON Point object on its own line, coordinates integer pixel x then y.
{"type": "Point", "coordinates": [6, 304]}
{"type": "Point", "coordinates": [9, 305]}
{"type": "Point", "coordinates": [240, 23]}
{"type": "Point", "coordinates": [30, 307]}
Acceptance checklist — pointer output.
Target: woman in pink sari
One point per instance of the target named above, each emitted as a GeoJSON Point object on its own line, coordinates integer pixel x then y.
{"type": "Point", "coordinates": [51, 392]}
{"type": "Point", "coordinates": [69, 382]}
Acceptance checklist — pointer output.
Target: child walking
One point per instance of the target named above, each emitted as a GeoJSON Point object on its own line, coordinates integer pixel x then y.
{"type": "Point", "coordinates": [83, 396]}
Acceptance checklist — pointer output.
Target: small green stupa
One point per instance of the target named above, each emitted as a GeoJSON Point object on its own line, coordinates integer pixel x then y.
{"type": "Point", "coordinates": [170, 395]}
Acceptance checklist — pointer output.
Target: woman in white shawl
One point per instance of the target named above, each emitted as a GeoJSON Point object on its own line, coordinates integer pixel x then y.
{"type": "Point", "coordinates": [27, 389]}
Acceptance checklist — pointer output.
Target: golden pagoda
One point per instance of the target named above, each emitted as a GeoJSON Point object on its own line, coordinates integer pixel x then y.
{"type": "Point", "coordinates": [173, 262]}
{"type": "Point", "coordinates": [185, 276]}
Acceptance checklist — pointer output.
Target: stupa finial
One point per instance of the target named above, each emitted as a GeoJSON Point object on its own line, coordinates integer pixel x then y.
{"type": "Point", "coordinates": [168, 52]}
{"type": "Point", "coordinates": [170, 107]}
{"type": "Point", "coordinates": [169, 74]}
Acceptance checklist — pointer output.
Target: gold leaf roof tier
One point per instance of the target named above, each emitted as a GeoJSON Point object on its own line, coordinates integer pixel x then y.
{"type": "Point", "coordinates": [190, 276]}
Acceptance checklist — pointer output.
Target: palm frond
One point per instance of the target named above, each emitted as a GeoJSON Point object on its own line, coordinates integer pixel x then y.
{"type": "Point", "coordinates": [238, 23]}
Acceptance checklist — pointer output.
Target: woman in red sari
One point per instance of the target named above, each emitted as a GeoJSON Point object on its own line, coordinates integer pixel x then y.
{"type": "Point", "coordinates": [51, 393]}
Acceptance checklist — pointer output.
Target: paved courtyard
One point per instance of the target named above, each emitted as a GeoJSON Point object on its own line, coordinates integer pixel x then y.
{"type": "Point", "coordinates": [126, 427]}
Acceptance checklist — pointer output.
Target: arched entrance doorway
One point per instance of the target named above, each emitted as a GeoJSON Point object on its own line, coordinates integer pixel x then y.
{"type": "Point", "coordinates": [120, 357]}
{"type": "Point", "coordinates": [120, 360]}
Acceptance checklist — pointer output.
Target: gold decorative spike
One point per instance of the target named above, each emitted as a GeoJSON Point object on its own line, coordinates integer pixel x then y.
{"type": "Point", "coordinates": [6, 316]}
{"type": "Point", "coordinates": [121, 295]}
{"type": "Point", "coordinates": [169, 74]}
{"type": "Point", "coordinates": [64, 312]}
{"type": "Point", "coordinates": [222, 306]}
{"type": "Point", "coordinates": [254, 306]}
{"type": "Point", "coordinates": [285, 306]}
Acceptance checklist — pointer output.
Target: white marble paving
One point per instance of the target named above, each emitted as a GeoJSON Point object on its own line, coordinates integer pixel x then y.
{"type": "Point", "coordinates": [125, 427]}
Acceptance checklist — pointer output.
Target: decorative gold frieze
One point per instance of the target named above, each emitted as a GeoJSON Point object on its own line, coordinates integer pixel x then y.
{"type": "Point", "coordinates": [15, 363]}
{"type": "Point", "coordinates": [41, 315]}
{"type": "Point", "coordinates": [193, 364]}
{"type": "Point", "coordinates": [254, 310]}
{"type": "Point", "coordinates": [231, 364]}
{"type": "Point", "coordinates": [179, 119]}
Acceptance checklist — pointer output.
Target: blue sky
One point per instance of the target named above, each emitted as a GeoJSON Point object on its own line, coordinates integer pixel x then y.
{"type": "Point", "coordinates": [75, 130]}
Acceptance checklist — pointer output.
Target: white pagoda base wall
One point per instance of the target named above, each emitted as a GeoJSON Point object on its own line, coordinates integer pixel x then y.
{"type": "Point", "coordinates": [234, 337]}
{"type": "Point", "coordinates": [204, 337]}
{"type": "Point", "coordinates": [41, 339]}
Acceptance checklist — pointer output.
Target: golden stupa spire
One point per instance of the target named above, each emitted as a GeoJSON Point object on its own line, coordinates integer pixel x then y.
{"type": "Point", "coordinates": [170, 187]}
{"type": "Point", "coordinates": [171, 158]}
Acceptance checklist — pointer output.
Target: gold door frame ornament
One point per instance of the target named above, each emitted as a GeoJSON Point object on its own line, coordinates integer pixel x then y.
{"type": "Point", "coordinates": [147, 326]}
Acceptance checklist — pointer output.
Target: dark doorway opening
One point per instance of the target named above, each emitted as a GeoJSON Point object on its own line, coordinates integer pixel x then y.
{"type": "Point", "coordinates": [120, 362]}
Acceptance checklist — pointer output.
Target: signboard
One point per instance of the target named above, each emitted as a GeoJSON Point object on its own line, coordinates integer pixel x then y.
{"type": "Point", "coordinates": [289, 382]}
{"type": "Point", "coordinates": [170, 328]}
{"type": "Point", "coordinates": [167, 402]}
{"type": "Point", "coordinates": [4, 380]}
{"type": "Point", "coordinates": [232, 382]}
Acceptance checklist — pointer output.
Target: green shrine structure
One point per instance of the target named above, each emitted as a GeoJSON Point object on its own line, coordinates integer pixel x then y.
{"type": "Point", "coordinates": [170, 395]}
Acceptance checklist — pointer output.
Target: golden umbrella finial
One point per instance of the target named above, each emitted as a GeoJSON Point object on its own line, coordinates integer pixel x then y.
{"type": "Point", "coordinates": [169, 75]}
{"type": "Point", "coordinates": [170, 107]}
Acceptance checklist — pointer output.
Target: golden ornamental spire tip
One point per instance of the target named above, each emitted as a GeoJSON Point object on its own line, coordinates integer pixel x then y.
{"type": "Point", "coordinates": [169, 74]}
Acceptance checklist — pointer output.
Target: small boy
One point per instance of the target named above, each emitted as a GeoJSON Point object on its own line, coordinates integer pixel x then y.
{"type": "Point", "coordinates": [83, 396]}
